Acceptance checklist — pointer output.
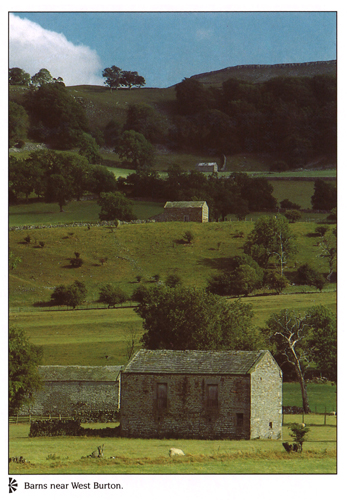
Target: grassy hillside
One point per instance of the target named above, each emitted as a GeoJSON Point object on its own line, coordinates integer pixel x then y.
{"type": "Point", "coordinates": [145, 249]}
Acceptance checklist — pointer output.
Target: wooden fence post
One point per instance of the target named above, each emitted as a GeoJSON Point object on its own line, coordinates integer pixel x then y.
{"type": "Point", "coordinates": [325, 415]}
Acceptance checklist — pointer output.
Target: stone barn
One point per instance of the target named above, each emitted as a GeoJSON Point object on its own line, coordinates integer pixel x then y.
{"type": "Point", "coordinates": [201, 395]}
{"type": "Point", "coordinates": [185, 211]}
{"type": "Point", "coordinates": [85, 391]}
{"type": "Point", "coordinates": [207, 167]}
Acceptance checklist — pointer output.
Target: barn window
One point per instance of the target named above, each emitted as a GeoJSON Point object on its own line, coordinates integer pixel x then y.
{"type": "Point", "coordinates": [186, 218]}
{"type": "Point", "coordinates": [162, 396]}
{"type": "Point", "coordinates": [212, 396]}
{"type": "Point", "coordinates": [239, 419]}
{"type": "Point", "coordinates": [270, 425]}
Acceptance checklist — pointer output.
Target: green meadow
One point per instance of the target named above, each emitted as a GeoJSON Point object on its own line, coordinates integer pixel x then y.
{"type": "Point", "coordinates": [64, 455]}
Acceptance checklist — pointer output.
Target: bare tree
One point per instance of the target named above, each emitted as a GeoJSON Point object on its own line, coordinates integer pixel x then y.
{"type": "Point", "coordinates": [289, 332]}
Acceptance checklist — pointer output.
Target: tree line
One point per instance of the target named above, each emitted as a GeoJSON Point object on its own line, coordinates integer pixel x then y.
{"type": "Point", "coordinates": [291, 118]}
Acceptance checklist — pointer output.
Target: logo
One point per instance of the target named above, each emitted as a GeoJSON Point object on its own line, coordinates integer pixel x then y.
{"type": "Point", "coordinates": [13, 485]}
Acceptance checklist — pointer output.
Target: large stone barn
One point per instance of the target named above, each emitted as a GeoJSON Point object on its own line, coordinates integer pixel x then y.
{"type": "Point", "coordinates": [185, 211]}
{"type": "Point", "coordinates": [201, 395]}
{"type": "Point", "coordinates": [87, 392]}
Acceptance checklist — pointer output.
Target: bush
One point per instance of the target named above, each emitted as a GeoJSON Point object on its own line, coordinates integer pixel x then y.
{"type": "Point", "coordinates": [188, 236]}
{"type": "Point", "coordinates": [321, 230]}
{"type": "Point", "coordinates": [27, 239]}
{"type": "Point", "coordinates": [307, 275]}
{"type": "Point", "coordinates": [173, 280]}
{"type": "Point", "coordinates": [139, 293]}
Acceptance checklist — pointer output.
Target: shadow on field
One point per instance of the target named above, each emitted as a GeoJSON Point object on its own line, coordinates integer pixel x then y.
{"type": "Point", "coordinates": [222, 263]}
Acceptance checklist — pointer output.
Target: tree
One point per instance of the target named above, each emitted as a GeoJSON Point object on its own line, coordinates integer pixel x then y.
{"type": "Point", "coordinates": [144, 119]}
{"type": "Point", "coordinates": [275, 281]}
{"type": "Point", "coordinates": [42, 77]}
{"type": "Point", "coordinates": [18, 123]}
{"type": "Point", "coordinates": [323, 342]}
{"type": "Point", "coordinates": [271, 237]}
{"type": "Point", "coordinates": [57, 117]}
{"type": "Point", "coordinates": [88, 147]}
{"type": "Point", "coordinates": [115, 206]}
{"type": "Point", "coordinates": [100, 180]}
{"type": "Point", "coordinates": [17, 76]}
{"type": "Point", "coordinates": [24, 379]}
{"type": "Point", "coordinates": [185, 318]}
{"type": "Point", "coordinates": [324, 196]}
{"type": "Point", "coordinates": [289, 333]}
{"type": "Point", "coordinates": [112, 295]}
{"type": "Point", "coordinates": [59, 189]}
{"type": "Point", "coordinates": [132, 79]}
{"type": "Point", "coordinates": [246, 276]}
{"type": "Point", "coordinates": [289, 205]}
{"type": "Point", "coordinates": [71, 295]}
{"type": "Point", "coordinates": [328, 246]}
{"type": "Point", "coordinates": [293, 215]}
{"type": "Point", "coordinates": [307, 275]}
{"type": "Point", "coordinates": [113, 77]}
{"type": "Point", "coordinates": [134, 147]}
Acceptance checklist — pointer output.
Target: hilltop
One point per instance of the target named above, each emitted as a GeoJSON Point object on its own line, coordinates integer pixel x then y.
{"type": "Point", "coordinates": [258, 73]}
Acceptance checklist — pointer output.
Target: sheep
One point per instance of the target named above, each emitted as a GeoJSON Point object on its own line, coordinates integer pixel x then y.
{"type": "Point", "coordinates": [175, 451]}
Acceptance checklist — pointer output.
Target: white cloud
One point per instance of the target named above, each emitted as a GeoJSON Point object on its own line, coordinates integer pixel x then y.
{"type": "Point", "coordinates": [33, 48]}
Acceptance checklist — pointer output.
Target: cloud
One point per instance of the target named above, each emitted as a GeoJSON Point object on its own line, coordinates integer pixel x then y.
{"type": "Point", "coordinates": [33, 48]}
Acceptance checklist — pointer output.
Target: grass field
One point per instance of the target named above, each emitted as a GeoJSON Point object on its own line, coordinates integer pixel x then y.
{"type": "Point", "coordinates": [86, 337]}
{"type": "Point", "coordinates": [63, 455]}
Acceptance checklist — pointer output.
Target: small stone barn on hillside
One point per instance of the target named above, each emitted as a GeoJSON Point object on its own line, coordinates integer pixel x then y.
{"type": "Point", "coordinates": [202, 395]}
{"type": "Point", "coordinates": [207, 167]}
{"type": "Point", "coordinates": [84, 391]}
{"type": "Point", "coordinates": [185, 211]}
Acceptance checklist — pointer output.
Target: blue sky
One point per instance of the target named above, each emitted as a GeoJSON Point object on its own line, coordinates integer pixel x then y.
{"type": "Point", "coordinates": [165, 47]}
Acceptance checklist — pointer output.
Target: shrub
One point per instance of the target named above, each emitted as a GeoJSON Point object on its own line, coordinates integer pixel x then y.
{"type": "Point", "coordinates": [188, 236]}
{"type": "Point", "coordinates": [298, 432]}
{"type": "Point", "coordinates": [173, 280]}
{"type": "Point", "coordinates": [42, 244]}
{"type": "Point", "coordinates": [27, 239]}
{"type": "Point", "coordinates": [139, 293]}
{"type": "Point", "coordinates": [321, 230]}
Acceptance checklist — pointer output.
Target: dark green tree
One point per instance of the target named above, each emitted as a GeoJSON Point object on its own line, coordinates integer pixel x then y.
{"type": "Point", "coordinates": [112, 295]}
{"type": "Point", "coordinates": [324, 196]}
{"type": "Point", "coordinates": [17, 76]}
{"type": "Point", "coordinates": [308, 275]}
{"type": "Point", "coordinates": [292, 215]}
{"type": "Point", "coordinates": [70, 295]}
{"type": "Point", "coordinates": [112, 77]}
{"type": "Point", "coordinates": [184, 318]}
{"type": "Point", "coordinates": [323, 342]}
{"type": "Point", "coordinates": [134, 147]}
{"type": "Point", "coordinates": [115, 206]}
{"type": "Point", "coordinates": [23, 377]}
{"type": "Point", "coordinates": [18, 123]}
{"type": "Point", "coordinates": [42, 77]}
{"type": "Point", "coordinates": [57, 117]}
{"type": "Point", "coordinates": [271, 238]}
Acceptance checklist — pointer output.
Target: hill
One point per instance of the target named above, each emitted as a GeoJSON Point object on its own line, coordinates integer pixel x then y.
{"type": "Point", "coordinates": [258, 73]}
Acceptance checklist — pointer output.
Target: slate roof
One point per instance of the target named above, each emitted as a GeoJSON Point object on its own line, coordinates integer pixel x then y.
{"type": "Point", "coordinates": [184, 204]}
{"type": "Point", "coordinates": [194, 362]}
{"type": "Point", "coordinates": [78, 373]}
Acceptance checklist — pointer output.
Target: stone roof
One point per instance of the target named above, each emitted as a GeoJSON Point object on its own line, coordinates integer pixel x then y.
{"type": "Point", "coordinates": [194, 362]}
{"type": "Point", "coordinates": [184, 204]}
{"type": "Point", "coordinates": [79, 373]}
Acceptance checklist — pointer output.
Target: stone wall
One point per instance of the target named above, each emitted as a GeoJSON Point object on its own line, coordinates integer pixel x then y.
{"type": "Point", "coordinates": [187, 414]}
{"type": "Point", "coordinates": [266, 399]}
{"type": "Point", "coordinates": [84, 400]}
{"type": "Point", "coordinates": [86, 392]}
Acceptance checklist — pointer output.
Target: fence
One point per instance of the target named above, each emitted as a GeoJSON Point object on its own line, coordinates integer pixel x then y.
{"type": "Point", "coordinates": [27, 419]}
{"type": "Point", "coordinates": [326, 417]}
